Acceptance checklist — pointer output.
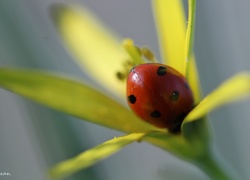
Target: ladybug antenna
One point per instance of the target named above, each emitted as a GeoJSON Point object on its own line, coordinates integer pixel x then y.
{"type": "Point", "coordinates": [148, 54]}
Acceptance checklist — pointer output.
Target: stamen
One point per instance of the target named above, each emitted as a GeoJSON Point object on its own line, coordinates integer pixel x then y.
{"type": "Point", "coordinates": [137, 56]}
{"type": "Point", "coordinates": [138, 49]}
{"type": "Point", "coordinates": [148, 54]}
{"type": "Point", "coordinates": [123, 74]}
{"type": "Point", "coordinates": [133, 51]}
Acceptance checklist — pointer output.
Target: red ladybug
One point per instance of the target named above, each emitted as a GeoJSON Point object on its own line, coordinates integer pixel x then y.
{"type": "Point", "coordinates": [159, 95]}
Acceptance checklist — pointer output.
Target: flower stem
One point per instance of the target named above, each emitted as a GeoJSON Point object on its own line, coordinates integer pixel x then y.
{"type": "Point", "coordinates": [189, 33]}
{"type": "Point", "coordinates": [214, 167]}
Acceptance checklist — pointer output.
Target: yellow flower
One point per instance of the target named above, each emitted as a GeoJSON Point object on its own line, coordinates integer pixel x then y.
{"type": "Point", "coordinates": [99, 53]}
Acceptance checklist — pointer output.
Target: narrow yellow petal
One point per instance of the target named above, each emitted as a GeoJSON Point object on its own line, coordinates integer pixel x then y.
{"type": "Point", "coordinates": [193, 79]}
{"type": "Point", "coordinates": [92, 156]}
{"type": "Point", "coordinates": [171, 27]}
{"type": "Point", "coordinates": [233, 89]}
{"type": "Point", "coordinates": [97, 50]}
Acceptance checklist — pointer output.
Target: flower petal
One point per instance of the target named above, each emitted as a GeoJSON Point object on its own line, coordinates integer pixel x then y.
{"type": "Point", "coordinates": [193, 79]}
{"type": "Point", "coordinates": [170, 21]}
{"type": "Point", "coordinates": [97, 50]}
{"type": "Point", "coordinates": [231, 90]}
{"type": "Point", "coordinates": [71, 97]}
{"type": "Point", "coordinates": [92, 156]}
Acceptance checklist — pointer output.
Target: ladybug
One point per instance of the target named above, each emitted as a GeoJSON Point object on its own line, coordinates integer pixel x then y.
{"type": "Point", "coordinates": [159, 95]}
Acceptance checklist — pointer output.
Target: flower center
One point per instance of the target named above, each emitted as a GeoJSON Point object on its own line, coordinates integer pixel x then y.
{"type": "Point", "coordinates": [123, 74]}
{"type": "Point", "coordinates": [137, 56]}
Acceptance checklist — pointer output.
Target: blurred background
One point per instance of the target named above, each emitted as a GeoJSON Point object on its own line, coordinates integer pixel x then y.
{"type": "Point", "coordinates": [33, 137]}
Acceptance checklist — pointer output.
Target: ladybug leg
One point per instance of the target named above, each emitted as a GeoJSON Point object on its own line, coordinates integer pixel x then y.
{"type": "Point", "coordinates": [176, 127]}
{"type": "Point", "coordinates": [175, 130]}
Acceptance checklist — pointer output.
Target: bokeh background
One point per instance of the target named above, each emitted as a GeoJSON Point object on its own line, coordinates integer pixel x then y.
{"type": "Point", "coordinates": [33, 137]}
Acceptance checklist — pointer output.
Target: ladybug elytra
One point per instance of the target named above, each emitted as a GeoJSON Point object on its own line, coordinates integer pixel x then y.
{"type": "Point", "coordinates": [159, 95]}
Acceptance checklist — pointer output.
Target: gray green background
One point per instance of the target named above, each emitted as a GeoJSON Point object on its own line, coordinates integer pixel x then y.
{"type": "Point", "coordinates": [33, 137]}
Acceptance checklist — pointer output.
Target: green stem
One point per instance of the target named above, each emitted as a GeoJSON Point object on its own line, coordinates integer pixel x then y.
{"type": "Point", "coordinates": [190, 31]}
{"type": "Point", "coordinates": [214, 167]}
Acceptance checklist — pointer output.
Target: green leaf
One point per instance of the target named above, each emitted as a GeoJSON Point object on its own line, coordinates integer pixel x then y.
{"type": "Point", "coordinates": [92, 156]}
{"type": "Point", "coordinates": [71, 97]}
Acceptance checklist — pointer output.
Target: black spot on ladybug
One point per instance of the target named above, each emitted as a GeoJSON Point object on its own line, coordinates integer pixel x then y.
{"type": "Point", "coordinates": [155, 114]}
{"type": "Point", "coordinates": [132, 99]}
{"type": "Point", "coordinates": [175, 96]}
{"type": "Point", "coordinates": [161, 71]}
